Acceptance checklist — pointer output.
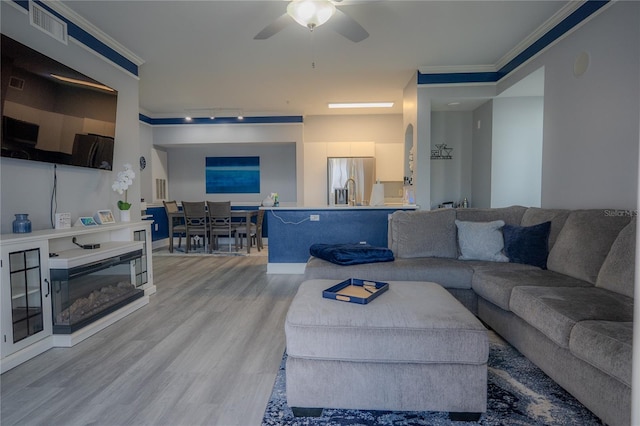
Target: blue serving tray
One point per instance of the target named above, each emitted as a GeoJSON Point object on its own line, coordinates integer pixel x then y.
{"type": "Point", "coordinates": [355, 290]}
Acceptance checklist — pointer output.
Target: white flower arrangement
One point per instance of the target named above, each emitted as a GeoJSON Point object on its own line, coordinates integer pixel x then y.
{"type": "Point", "coordinates": [123, 181]}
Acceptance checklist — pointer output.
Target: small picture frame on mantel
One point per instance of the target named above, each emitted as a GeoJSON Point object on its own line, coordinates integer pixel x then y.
{"type": "Point", "coordinates": [104, 216]}
{"type": "Point", "coordinates": [86, 221]}
{"type": "Point", "coordinates": [63, 221]}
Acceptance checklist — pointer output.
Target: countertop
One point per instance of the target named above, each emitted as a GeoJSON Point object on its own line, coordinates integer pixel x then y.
{"type": "Point", "coordinates": [384, 207]}
{"type": "Point", "coordinates": [294, 206]}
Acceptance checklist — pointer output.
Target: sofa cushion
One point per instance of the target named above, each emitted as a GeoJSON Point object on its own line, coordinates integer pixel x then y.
{"type": "Point", "coordinates": [527, 244]}
{"type": "Point", "coordinates": [481, 240]}
{"type": "Point", "coordinates": [617, 272]}
{"type": "Point", "coordinates": [555, 310]}
{"type": "Point", "coordinates": [496, 284]}
{"type": "Point", "coordinates": [536, 215]}
{"type": "Point", "coordinates": [584, 242]}
{"type": "Point", "coordinates": [607, 345]}
{"type": "Point", "coordinates": [512, 215]}
{"type": "Point", "coordinates": [450, 273]}
{"type": "Point", "coordinates": [424, 234]}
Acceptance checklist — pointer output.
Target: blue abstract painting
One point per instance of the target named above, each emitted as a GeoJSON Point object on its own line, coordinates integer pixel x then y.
{"type": "Point", "coordinates": [232, 175]}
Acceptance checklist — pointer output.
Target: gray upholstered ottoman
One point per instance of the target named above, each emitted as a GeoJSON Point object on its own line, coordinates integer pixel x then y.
{"type": "Point", "coordinates": [414, 348]}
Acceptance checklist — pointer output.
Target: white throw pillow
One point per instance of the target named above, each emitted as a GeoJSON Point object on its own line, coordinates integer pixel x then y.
{"type": "Point", "coordinates": [481, 241]}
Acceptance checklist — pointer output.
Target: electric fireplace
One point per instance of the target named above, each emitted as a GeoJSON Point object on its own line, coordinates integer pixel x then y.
{"type": "Point", "coordinates": [86, 292]}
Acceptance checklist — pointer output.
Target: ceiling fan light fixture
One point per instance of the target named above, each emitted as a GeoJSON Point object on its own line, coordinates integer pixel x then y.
{"type": "Point", "coordinates": [311, 13]}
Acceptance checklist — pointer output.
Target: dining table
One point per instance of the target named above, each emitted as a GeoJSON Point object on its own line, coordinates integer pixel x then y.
{"type": "Point", "coordinates": [244, 214]}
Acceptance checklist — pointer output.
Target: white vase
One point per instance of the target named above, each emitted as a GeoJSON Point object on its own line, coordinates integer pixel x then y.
{"type": "Point", "coordinates": [125, 215]}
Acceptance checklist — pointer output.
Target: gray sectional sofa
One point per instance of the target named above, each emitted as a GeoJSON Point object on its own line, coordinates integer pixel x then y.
{"type": "Point", "coordinates": [573, 319]}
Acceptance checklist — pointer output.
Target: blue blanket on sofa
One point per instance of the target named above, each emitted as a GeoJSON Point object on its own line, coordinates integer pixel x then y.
{"type": "Point", "coordinates": [351, 254]}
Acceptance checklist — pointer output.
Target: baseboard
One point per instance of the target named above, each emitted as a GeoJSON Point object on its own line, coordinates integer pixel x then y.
{"type": "Point", "coordinates": [23, 355]}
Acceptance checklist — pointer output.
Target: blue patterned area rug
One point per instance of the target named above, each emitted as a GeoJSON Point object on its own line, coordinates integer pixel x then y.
{"type": "Point", "coordinates": [519, 393]}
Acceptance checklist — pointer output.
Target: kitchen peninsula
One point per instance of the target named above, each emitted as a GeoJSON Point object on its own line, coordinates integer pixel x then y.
{"type": "Point", "coordinates": [293, 229]}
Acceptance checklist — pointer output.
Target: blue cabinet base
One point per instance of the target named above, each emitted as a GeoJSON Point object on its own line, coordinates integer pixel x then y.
{"type": "Point", "coordinates": [291, 232]}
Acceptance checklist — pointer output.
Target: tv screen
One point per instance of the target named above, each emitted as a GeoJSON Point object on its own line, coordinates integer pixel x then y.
{"type": "Point", "coordinates": [53, 113]}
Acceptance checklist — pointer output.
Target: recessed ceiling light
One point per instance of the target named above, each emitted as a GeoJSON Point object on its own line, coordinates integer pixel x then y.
{"type": "Point", "coordinates": [453, 103]}
{"type": "Point", "coordinates": [360, 104]}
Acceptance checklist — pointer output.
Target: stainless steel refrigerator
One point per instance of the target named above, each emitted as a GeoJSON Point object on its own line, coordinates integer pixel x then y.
{"type": "Point", "coordinates": [346, 173]}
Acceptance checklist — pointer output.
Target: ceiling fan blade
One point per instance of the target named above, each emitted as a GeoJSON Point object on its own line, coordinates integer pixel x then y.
{"type": "Point", "coordinates": [346, 26]}
{"type": "Point", "coordinates": [275, 27]}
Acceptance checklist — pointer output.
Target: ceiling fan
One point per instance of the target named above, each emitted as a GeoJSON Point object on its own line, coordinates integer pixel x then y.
{"type": "Point", "coordinates": [312, 14]}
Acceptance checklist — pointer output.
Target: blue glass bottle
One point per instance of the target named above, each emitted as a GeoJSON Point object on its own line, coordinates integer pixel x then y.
{"type": "Point", "coordinates": [22, 224]}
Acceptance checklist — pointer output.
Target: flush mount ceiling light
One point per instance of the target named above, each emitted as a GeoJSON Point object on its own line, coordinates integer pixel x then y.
{"type": "Point", "coordinates": [360, 104]}
{"type": "Point", "coordinates": [213, 113]}
{"type": "Point", "coordinates": [82, 82]}
{"type": "Point", "coordinates": [311, 13]}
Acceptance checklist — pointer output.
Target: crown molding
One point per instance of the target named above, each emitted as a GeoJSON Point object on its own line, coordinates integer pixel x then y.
{"type": "Point", "coordinates": [447, 69]}
{"type": "Point", "coordinates": [91, 29]}
{"type": "Point", "coordinates": [570, 17]}
{"type": "Point", "coordinates": [543, 29]}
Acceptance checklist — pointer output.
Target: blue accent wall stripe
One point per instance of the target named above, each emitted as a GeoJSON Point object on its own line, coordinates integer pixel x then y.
{"type": "Point", "coordinates": [284, 119]}
{"type": "Point", "coordinates": [460, 77]}
{"type": "Point", "coordinates": [88, 40]}
{"type": "Point", "coordinates": [570, 22]}
{"type": "Point", "coordinates": [23, 4]}
{"type": "Point", "coordinates": [582, 13]}
{"type": "Point", "coordinates": [145, 119]}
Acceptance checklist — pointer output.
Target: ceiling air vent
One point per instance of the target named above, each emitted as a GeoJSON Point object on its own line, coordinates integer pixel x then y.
{"type": "Point", "coordinates": [47, 22]}
{"type": "Point", "coordinates": [16, 83]}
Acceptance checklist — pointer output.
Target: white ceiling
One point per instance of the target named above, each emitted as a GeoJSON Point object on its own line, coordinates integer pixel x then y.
{"type": "Point", "coordinates": [201, 55]}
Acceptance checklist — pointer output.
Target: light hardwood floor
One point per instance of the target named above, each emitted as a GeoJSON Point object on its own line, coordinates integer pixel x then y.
{"type": "Point", "coordinates": [205, 351]}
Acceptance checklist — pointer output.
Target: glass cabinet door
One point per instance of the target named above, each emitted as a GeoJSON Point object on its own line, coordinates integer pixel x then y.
{"type": "Point", "coordinates": [27, 313]}
{"type": "Point", "coordinates": [140, 277]}
{"type": "Point", "coordinates": [25, 296]}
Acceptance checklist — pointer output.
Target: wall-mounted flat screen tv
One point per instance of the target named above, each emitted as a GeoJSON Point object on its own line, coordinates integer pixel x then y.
{"type": "Point", "coordinates": [53, 113]}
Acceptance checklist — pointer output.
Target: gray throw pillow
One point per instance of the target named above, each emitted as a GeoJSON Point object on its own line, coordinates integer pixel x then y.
{"type": "Point", "coordinates": [424, 234]}
{"type": "Point", "coordinates": [481, 241]}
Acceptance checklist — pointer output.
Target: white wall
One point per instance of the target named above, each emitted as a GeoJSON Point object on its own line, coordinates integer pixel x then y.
{"type": "Point", "coordinates": [590, 151]}
{"type": "Point", "coordinates": [277, 171]}
{"type": "Point", "coordinates": [311, 140]}
{"type": "Point", "coordinates": [516, 151]}
{"type": "Point", "coordinates": [451, 179]}
{"type": "Point", "coordinates": [146, 175]}
{"type": "Point", "coordinates": [26, 186]}
{"type": "Point", "coordinates": [481, 162]}
{"type": "Point", "coordinates": [426, 143]}
{"type": "Point", "coordinates": [176, 136]}
{"type": "Point", "coordinates": [160, 176]}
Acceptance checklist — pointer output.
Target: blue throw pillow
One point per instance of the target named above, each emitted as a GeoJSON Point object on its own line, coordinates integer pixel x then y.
{"type": "Point", "coordinates": [527, 244]}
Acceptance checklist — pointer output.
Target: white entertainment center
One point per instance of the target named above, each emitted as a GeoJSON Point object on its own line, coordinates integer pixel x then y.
{"type": "Point", "coordinates": [41, 272]}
